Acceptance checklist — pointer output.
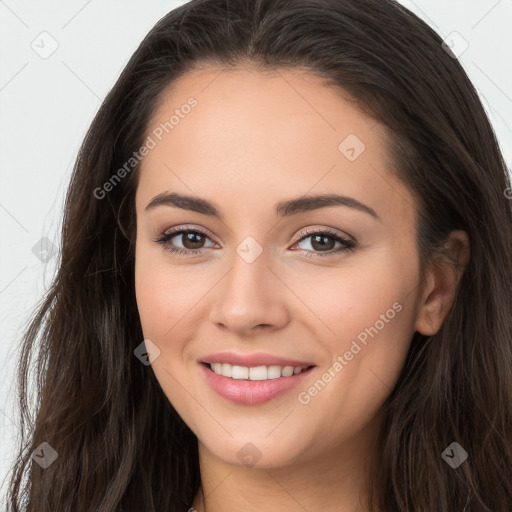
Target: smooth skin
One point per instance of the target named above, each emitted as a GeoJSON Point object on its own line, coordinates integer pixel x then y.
{"type": "Point", "coordinates": [255, 139]}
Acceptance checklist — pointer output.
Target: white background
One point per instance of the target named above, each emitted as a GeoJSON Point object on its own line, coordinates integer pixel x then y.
{"type": "Point", "coordinates": [46, 105]}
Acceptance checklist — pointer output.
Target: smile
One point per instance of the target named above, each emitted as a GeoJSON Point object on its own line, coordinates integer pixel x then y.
{"type": "Point", "coordinates": [256, 372]}
{"type": "Point", "coordinates": [252, 385]}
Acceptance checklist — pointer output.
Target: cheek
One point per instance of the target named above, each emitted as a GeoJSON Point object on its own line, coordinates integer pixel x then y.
{"type": "Point", "coordinates": [372, 334]}
{"type": "Point", "coordinates": [367, 317]}
{"type": "Point", "coordinates": [353, 297]}
{"type": "Point", "coordinates": [165, 299]}
{"type": "Point", "coordinates": [159, 303]}
{"type": "Point", "coordinates": [167, 295]}
{"type": "Point", "coordinates": [157, 300]}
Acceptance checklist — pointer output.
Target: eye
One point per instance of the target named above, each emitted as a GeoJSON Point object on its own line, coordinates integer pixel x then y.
{"type": "Point", "coordinates": [192, 241]}
{"type": "Point", "coordinates": [322, 243]}
{"type": "Point", "coordinates": [184, 241]}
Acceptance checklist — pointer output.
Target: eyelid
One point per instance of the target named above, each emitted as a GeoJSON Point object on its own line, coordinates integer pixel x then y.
{"type": "Point", "coordinates": [164, 240]}
{"type": "Point", "coordinates": [185, 227]}
{"type": "Point", "coordinates": [347, 242]}
{"type": "Point", "coordinates": [303, 233]}
{"type": "Point", "coordinates": [325, 230]}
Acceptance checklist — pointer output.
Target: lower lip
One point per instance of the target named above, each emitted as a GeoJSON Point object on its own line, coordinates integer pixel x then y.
{"type": "Point", "coordinates": [251, 392]}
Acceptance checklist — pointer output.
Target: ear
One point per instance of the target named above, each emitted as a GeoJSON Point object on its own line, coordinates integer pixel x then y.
{"type": "Point", "coordinates": [441, 284]}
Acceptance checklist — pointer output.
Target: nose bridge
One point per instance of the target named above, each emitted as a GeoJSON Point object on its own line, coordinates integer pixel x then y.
{"type": "Point", "coordinates": [249, 295]}
{"type": "Point", "coordinates": [246, 283]}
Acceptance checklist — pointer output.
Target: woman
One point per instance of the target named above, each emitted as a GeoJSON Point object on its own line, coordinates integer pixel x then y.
{"type": "Point", "coordinates": [285, 277]}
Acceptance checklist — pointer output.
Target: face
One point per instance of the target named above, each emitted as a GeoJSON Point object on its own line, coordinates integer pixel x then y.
{"type": "Point", "coordinates": [253, 266]}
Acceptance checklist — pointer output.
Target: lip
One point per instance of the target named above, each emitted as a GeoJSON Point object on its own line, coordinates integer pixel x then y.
{"type": "Point", "coordinates": [252, 392]}
{"type": "Point", "coordinates": [252, 360]}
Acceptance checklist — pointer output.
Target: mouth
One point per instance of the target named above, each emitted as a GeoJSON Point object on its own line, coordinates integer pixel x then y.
{"type": "Point", "coordinates": [253, 385]}
{"type": "Point", "coordinates": [253, 373]}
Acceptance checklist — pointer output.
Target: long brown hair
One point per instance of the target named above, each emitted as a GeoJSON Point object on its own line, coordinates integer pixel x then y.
{"type": "Point", "coordinates": [121, 445]}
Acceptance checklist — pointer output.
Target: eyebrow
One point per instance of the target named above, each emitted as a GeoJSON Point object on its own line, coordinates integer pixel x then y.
{"type": "Point", "coordinates": [282, 209]}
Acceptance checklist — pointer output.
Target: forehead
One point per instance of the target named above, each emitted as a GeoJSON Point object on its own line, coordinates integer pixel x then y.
{"type": "Point", "coordinates": [257, 105]}
{"type": "Point", "coordinates": [277, 133]}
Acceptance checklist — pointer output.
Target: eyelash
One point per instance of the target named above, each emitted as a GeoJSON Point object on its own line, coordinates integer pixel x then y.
{"type": "Point", "coordinates": [347, 244]}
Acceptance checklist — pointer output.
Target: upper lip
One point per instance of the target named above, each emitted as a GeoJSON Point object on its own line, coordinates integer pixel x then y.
{"type": "Point", "coordinates": [252, 360]}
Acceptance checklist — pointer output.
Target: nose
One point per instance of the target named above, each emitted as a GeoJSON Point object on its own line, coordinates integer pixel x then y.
{"type": "Point", "coordinates": [250, 298]}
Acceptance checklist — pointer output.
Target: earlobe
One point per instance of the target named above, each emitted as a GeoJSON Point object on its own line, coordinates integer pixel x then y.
{"type": "Point", "coordinates": [441, 283]}
{"type": "Point", "coordinates": [427, 307]}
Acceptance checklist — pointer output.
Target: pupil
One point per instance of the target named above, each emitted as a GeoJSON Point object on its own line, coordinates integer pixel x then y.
{"type": "Point", "coordinates": [194, 239]}
{"type": "Point", "coordinates": [322, 244]}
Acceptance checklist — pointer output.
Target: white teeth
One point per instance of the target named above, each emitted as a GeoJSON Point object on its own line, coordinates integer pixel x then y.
{"type": "Point", "coordinates": [227, 370]}
{"type": "Point", "coordinates": [273, 372]}
{"type": "Point", "coordinates": [258, 373]}
{"type": "Point", "coordinates": [239, 372]}
{"type": "Point", "coordinates": [287, 371]}
{"type": "Point", "coordinates": [255, 372]}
